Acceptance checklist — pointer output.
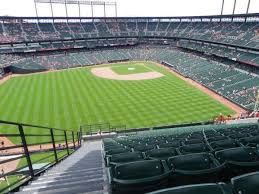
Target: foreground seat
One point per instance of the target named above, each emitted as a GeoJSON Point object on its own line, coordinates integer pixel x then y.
{"type": "Point", "coordinates": [223, 144]}
{"type": "Point", "coordinates": [250, 141]}
{"type": "Point", "coordinates": [239, 160]}
{"type": "Point", "coordinates": [193, 169]}
{"type": "Point", "coordinates": [193, 148]}
{"type": "Point", "coordinates": [117, 151]}
{"type": "Point", "coordinates": [208, 188]}
{"type": "Point", "coordinates": [217, 138]}
{"type": "Point", "coordinates": [143, 147]}
{"type": "Point", "coordinates": [138, 177]}
{"type": "Point", "coordinates": [162, 154]}
{"type": "Point", "coordinates": [126, 157]}
{"type": "Point", "coordinates": [172, 144]}
{"type": "Point", "coordinates": [193, 141]}
{"type": "Point", "coordinates": [246, 184]}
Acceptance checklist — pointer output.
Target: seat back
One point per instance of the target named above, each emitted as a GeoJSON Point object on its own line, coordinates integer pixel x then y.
{"type": "Point", "coordinates": [247, 183]}
{"type": "Point", "coordinates": [199, 161]}
{"type": "Point", "coordinates": [240, 154]}
{"type": "Point", "coordinates": [222, 144]}
{"type": "Point", "coordinates": [193, 148]}
{"type": "Point", "coordinates": [208, 188]}
{"type": "Point", "coordinates": [161, 153]}
{"type": "Point", "coordinates": [248, 140]}
{"type": "Point", "coordinates": [217, 138]}
{"type": "Point", "coordinates": [144, 147]}
{"type": "Point", "coordinates": [192, 141]}
{"type": "Point", "coordinates": [117, 151]}
{"type": "Point", "coordinates": [126, 157]}
{"type": "Point", "coordinates": [138, 170]}
{"type": "Point", "coordinates": [172, 144]}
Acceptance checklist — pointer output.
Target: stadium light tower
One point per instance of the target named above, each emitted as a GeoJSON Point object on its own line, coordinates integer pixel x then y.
{"type": "Point", "coordinates": [234, 8]}
{"type": "Point", "coordinates": [92, 4]}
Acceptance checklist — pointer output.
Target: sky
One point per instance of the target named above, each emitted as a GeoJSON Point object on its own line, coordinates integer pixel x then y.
{"type": "Point", "coordinates": [131, 8]}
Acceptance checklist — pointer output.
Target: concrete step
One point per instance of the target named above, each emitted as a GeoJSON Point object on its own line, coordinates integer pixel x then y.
{"type": "Point", "coordinates": [67, 190]}
{"type": "Point", "coordinates": [65, 184]}
{"type": "Point", "coordinates": [71, 173]}
{"type": "Point", "coordinates": [60, 180]}
{"type": "Point", "coordinates": [82, 172]}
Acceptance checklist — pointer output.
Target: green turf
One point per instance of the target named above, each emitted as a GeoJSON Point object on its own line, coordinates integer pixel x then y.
{"type": "Point", "coordinates": [12, 180]}
{"type": "Point", "coordinates": [42, 157]}
{"type": "Point", "coordinates": [131, 68]}
{"type": "Point", "coordinates": [70, 98]}
{"type": "Point", "coordinates": [36, 158]}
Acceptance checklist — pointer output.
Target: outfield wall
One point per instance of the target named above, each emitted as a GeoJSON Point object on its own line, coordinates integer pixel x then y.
{"type": "Point", "coordinates": [17, 70]}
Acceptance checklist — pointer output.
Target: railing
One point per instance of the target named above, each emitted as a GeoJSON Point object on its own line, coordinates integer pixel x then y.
{"type": "Point", "coordinates": [101, 128]}
{"type": "Point", "coordinates": [28, 150]}
{"type": "Point", "coordinates": [107, 128]}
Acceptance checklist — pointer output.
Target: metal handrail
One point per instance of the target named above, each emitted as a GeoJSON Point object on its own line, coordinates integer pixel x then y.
{"type": "Point", "coordinates": [30, 125]}
{"type": "Point", "coordinates": [69, 139]}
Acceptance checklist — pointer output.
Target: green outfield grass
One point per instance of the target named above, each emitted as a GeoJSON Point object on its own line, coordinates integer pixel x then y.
{"type": "Point", "coordinates": [70, 98]}
{"type": "Point", "coordinates": [131, 68]}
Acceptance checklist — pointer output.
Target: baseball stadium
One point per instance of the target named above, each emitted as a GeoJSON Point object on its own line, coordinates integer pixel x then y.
{"type": "Point", "coordinates": [117, 104]}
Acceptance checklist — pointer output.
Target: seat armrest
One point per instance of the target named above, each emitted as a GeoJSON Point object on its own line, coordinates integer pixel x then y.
{"type": "Point", "coordinates": [109, 175]}
{"type": "Point", "coordinates": [108, 160]}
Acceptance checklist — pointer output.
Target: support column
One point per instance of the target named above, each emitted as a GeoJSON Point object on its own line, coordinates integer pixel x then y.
{"type": "Point", "coordinates": [247, 9]}
{"type": "Point", "coordinates": [92, 9]}
{"type": "Point", "coordinates": [234, 7]}
{"type": "Point", "coordinates": [79, 10]}
{"type": "Point", "coordinates": [66, 9]}
{"type": "Point", "coordinates": [51, 10]}
{"type": "Point", "coordinates": [116, 13]}
{"type": "Point", "coordinates": [222, 8]}
{"type": "Point", "coordinates": [104, 9]}
{"type": "Point", "coordinates": [36, 10]}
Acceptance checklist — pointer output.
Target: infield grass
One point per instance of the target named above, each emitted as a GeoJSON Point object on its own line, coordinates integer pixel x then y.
{"type": "Point", "coordinates": [131, 68]}
{"type": "Point", "coordinates": [70, 98]}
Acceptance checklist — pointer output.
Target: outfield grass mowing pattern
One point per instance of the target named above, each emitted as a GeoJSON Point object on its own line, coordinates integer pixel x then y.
{"type": "Point", "coordinates": [67, 99]}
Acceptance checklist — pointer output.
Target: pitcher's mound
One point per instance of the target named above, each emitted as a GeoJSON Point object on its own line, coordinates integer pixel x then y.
{"type": "Point", "coordinates": [106, 72]}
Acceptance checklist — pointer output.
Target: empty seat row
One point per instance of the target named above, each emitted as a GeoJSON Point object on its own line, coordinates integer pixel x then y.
{"type": "Point", "coordinates": [244, 184]}
{"type": "Point", "coordinates": [144, 176]}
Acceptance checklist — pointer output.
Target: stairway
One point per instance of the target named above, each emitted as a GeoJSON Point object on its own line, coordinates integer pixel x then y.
{"type": "Point", "coordinates": [82, 172]}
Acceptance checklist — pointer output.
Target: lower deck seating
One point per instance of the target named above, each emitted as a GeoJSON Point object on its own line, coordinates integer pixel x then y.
{"type": "Point", "coordinates": [226, 78]}
{"type": "Point", "coordinates": [221, 155]}
{"type": "Point", "coordinates": [1, 73]}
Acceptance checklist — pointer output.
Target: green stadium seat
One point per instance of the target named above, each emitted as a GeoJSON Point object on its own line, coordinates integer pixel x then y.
{"type": "Point", "coordinates": [138, 177]}
{"type": "Point", "coordinates": [239, 160]}
{"type": "Point", "coordinates": [192, 141]}
{"type": "Point", "coordinates": [194, 168]}
{"type": "Point", "coordinates": [193, 148]}
{"type": "Point", "coordinates": [250, 141]}
{"type": "Point", "coordinates": [162, 153]}
{"type": "Point", "coordinates": [217, 138]}
{"type": "Point", "coordinates": [173, 144]}
{"type": "Point", "coordinates": [144, 148]}
{"type": "Point", "coordinates": [126, 157]}
{"type": "Point", "coordinates": [207, 188]}
{"type": "Point", "coordinates": [234, 135]}
{"type": "Point", "coordinates": [117, 151]}
{"type": "Point", "coordinates": [223, 144]}
{"type": "Point", "coordinates": [246, 183]}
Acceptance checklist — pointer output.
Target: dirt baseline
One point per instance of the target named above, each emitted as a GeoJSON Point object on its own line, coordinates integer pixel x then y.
{"type": "Point", "coordinates": [108, 73]}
